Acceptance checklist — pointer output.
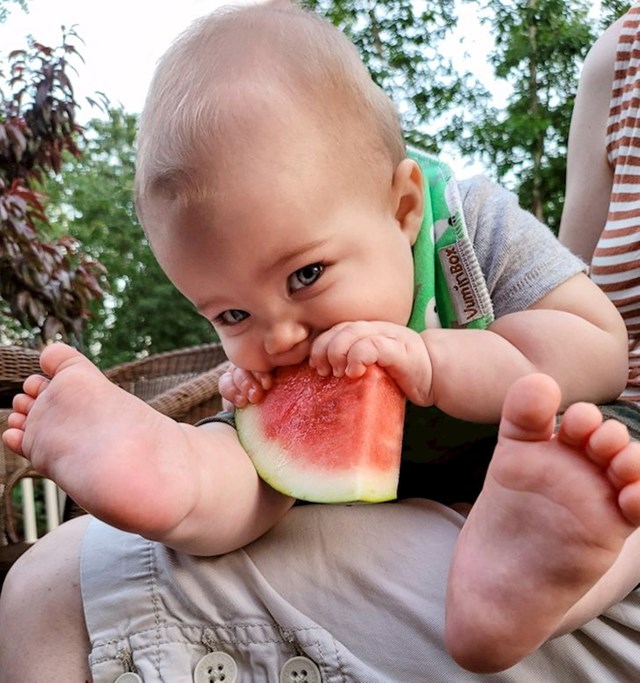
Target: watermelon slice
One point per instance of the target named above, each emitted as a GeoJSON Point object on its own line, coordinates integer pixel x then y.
{"type": "Point", "coordinates": [327, 439]}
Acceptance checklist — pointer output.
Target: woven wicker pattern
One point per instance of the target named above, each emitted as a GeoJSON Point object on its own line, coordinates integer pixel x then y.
{"type": "Point", "coordinates": [11, 467]}
{"type": "Point", "coordinates": [182, 384]}
{"type": "Point", "coordinates": [16, 364]}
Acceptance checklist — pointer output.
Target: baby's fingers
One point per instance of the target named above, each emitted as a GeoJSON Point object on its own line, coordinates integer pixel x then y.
{"type": "Point", "coordinates": [240, 387]}
{"type": "Point", "coordinates": [368, 351]}
{"type": "Point", "coordinates": [329, 351]}
{"type": "Point", "coordinates": [230, 392]}
{"type": "Point", "coordinates": [349, 348]}
{"type": "Point", "coordinates": [265, 379]}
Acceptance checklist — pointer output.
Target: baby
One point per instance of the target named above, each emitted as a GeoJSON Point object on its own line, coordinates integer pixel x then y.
{"type": "Point", "coordinates": [276, 192]}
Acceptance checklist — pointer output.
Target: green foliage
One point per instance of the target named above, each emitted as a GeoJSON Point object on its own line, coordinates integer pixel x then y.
{"type": "Point", "coordinates": [401, 42]}
{"type": "Point", "coordinates": [538, 52]}
{"type": "Point", "coordinates": [92, 200]}
{"type": "Point", "coordinates": [539, 49]}
{"type": "Point", "coordinates": [5, 9]}
{"type": "Point", "coordinates": [45, 284]}
{"type": "Point", "coordinates": [610, 10]}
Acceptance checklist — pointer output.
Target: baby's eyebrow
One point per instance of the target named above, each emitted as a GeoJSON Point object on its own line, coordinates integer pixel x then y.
{"type": "Point", "coordinates": [296, 252]}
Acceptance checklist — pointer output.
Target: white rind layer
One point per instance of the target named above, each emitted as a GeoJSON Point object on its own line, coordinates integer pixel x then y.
{"type": "Point", "coordinates": [311, 483]}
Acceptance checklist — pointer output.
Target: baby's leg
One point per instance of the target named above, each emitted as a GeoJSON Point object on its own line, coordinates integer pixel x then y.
{"type": "Point", "coordinates": [547, 528]}
{"type": "Point", "coordinates": [113, 454]}
{"type": "Point", "coordinates": [42, 630]}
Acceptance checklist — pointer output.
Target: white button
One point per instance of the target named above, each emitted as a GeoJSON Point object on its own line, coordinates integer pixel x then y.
{"type": "Point", "coordinates": [128, 678]}
{"type": "Point", "coordinates": [216, 666]}
{"type": "Point", "coordinates": [300, 670]}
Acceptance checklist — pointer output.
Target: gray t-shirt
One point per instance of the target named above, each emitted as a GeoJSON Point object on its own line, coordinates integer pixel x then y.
{"type": "Point", "coordinates": [521, 259]}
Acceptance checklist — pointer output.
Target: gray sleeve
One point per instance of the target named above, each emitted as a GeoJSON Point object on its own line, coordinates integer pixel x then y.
{"type": "Point", "coordinates": [521, 259]}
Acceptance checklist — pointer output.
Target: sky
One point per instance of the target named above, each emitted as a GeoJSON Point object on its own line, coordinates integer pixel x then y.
{"type": "Point", "coordinates": [122, 40]}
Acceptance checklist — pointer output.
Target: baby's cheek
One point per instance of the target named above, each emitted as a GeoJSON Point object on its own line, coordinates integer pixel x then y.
{"type": "Point", "coordinates": [249, 355]}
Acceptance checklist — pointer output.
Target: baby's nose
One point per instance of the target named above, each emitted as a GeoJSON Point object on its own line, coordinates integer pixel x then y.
{"type": "Point", "coordinates": [283, 336]}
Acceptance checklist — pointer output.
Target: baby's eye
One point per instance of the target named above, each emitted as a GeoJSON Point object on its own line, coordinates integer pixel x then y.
{"type": "Point", "coordinates": [304, 277]}
{"type": "Point", "coordinates": [231, 317]}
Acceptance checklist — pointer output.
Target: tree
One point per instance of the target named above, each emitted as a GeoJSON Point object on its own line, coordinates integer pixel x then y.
{"type": "Point", "coordinates": [401, 42]}
{"type": "Point", "coordinates": [92, 200]}
{"type": "Point", "coordinates": [539, 48]}
{"type": "Point", "coordinates": [538, 52]}
{"type": "Point", "coordinates": [45, 285]}
{"type": "Point", "coordinates": [610, 10]}
{"type": "Point", "coordinates": [4, 9]}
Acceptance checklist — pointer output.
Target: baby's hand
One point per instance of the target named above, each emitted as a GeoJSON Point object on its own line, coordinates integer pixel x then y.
{"type": "Point", "coordinates": [240, 387]}
{"type": "Point", "coordinates": [350, 347]}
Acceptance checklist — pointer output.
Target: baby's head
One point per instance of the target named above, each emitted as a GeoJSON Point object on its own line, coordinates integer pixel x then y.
{"type": "Point", "coordinates": [239, 65]}
{"type": "Point", "coordinates": [262, 142]}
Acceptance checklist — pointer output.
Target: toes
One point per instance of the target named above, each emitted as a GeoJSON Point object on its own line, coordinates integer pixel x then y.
{"type": "Point", "coordinates": [22, 403]}
{"type": "Point", "coordinates": [12, 439]}
{"type": "Point", "coordinates": [578, 424]}
{"type": "Point", "coordinates": [629, 502]}
{"type": "Point", "coordinates": [34, 385]}
{"type": "Point", "coordinates": [606, 442]}
{"type": "Point", "coordinates": [624, 467]}
{"type": "Point", "coordinates": [56, 357]}
{"type": "Point", "coordinates": [530, 408]}
{"type": "Point", "coordinates": [16, 420]}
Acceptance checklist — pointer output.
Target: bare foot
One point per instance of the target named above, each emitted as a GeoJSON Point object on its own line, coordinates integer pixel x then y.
{"type": "Point", "coordinates": [550, 521]}
{"type": "Point", "coordinates": [113, 454]}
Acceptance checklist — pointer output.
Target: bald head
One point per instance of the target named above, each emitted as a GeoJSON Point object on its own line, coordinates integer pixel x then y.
{"type": "Point", "coordinates": [241, 74]}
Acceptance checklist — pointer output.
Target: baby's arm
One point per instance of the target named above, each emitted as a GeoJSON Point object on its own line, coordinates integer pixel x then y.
{"type": "Point", "coordinates": [193, 489]}
{"type": "Point", "coordinates": [574, 334]}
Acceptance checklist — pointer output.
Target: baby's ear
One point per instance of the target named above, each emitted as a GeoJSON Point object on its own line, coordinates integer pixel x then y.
{"type": "Point", "coordinates": [408, 198]}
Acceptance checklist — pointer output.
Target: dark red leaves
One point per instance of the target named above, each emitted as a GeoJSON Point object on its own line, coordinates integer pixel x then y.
{"type": "Point", "coordinates": [47, 284]}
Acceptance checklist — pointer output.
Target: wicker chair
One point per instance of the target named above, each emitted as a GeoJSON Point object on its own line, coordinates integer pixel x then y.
{"type": "Point", "coordinates": [16, 364]}
{"type": "Point", "coordinates": [182, 384]}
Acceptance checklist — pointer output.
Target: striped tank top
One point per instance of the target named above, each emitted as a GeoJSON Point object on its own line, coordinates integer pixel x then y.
{"type": "Point", "coordinates": [616, 260]}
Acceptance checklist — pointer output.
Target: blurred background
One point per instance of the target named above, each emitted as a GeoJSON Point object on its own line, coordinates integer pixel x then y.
{"type": "Point", "coordinates": [486, 84]}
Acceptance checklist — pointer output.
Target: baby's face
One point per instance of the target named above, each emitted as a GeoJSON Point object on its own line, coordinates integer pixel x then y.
{"type": "Point", "coordinates": [281, 253]}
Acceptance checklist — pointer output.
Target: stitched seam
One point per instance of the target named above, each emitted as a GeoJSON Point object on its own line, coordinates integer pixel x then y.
{"type": "Point", "coordinates": [153, 589]}
{"type": "Point", "coordinates": [181, 628]}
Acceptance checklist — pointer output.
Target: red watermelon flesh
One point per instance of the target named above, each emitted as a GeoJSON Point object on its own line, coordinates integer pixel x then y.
{"type": "Point", "coordinates": [327, 439]}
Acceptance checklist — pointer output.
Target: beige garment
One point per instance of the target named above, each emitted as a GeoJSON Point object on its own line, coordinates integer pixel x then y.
{"type": "Point", "coordinates": [358, 590]}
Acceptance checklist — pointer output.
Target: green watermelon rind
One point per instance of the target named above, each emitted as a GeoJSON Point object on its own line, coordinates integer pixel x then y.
{"type": "Point", "coordinates": [276, 467]}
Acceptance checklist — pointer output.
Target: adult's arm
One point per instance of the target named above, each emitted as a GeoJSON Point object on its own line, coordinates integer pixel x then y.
{"type": "Point", "coordinates": [589, 175]}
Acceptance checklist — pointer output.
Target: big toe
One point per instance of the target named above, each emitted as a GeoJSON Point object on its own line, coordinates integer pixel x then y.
{"type": "Point", "coordinates": [56, 357]}
{"type": "Point", "coordinates": [530, 407]}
